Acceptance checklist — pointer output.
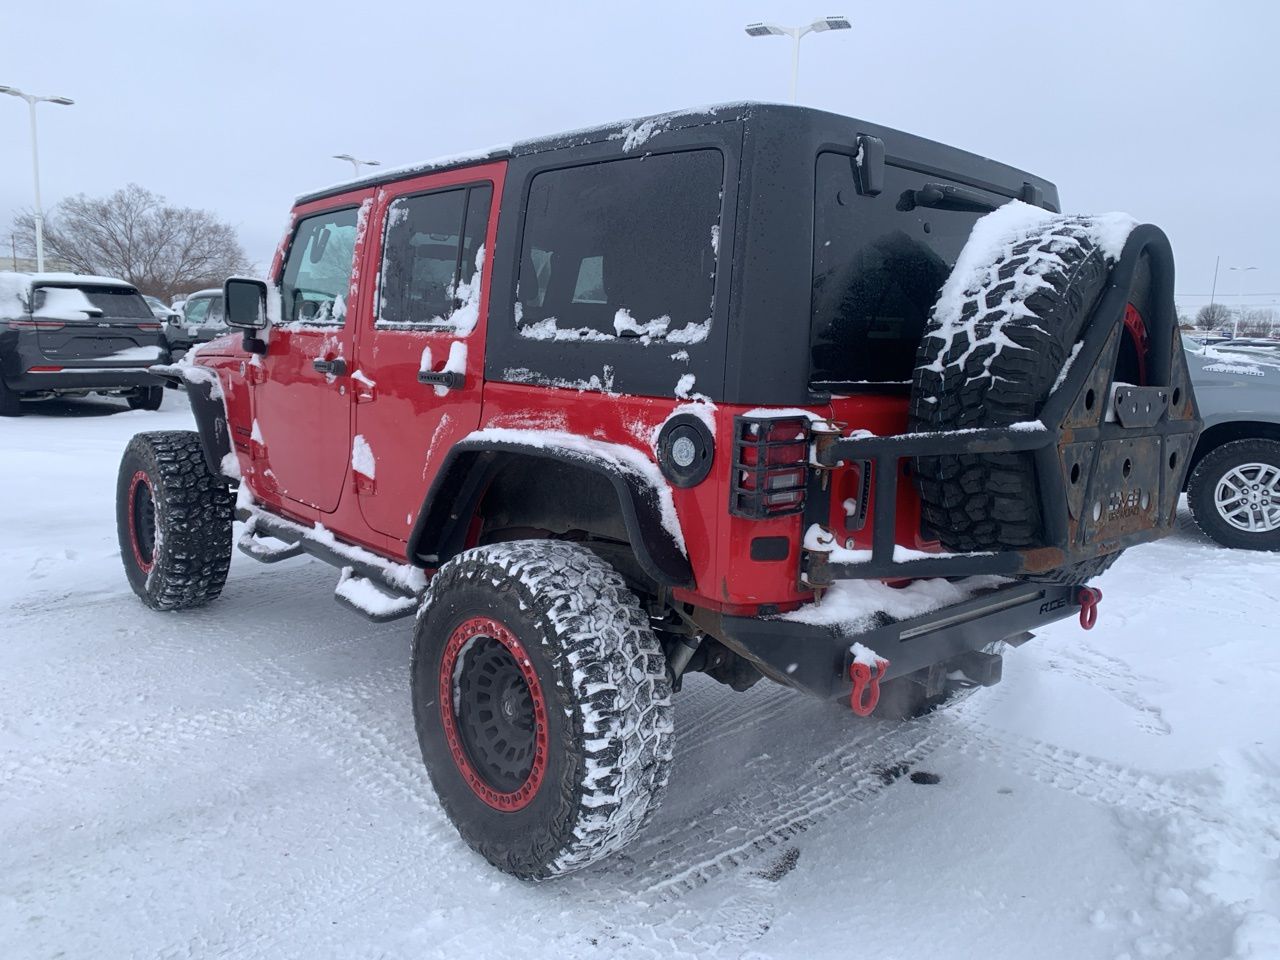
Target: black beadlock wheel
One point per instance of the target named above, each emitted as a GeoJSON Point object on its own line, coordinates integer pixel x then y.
{"type": "Point", "coordinates": [542, 705]}
{"type": "Point", "coordinates": [1234, 494]}
{"type": "Point", "coordinates": [173, 519]}
{"type": "Point", "coordinates": [994, 365]}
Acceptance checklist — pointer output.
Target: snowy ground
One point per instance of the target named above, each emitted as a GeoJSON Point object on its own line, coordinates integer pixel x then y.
{"type": "Point", "coordinates": [243, 781]}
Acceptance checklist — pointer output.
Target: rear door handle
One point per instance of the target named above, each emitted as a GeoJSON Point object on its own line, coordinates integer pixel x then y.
{"type": "Point", "coordinates": [336, 367]}
{"type": "Point", "coordinates": [449, 379]}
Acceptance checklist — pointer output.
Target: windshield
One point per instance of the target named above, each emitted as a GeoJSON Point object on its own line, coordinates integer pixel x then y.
{"type": "Point", "coordinates": [877, 271]}
{"type": "Point", "coordinates": [84, 303]}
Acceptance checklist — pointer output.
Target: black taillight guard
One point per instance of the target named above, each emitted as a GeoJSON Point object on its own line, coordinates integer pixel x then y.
{"type": "Point", "coordinates": [770, 466]}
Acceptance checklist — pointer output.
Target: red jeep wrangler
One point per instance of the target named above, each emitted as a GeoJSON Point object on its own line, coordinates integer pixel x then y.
{"type": "Point", "coordinates": [751, 391]}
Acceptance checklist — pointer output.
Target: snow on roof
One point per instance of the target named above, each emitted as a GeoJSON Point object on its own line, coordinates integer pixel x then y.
{"type": "Point", "coordinates": [633, 132]}
{"type": "Point", "coordinates": [35, 279]}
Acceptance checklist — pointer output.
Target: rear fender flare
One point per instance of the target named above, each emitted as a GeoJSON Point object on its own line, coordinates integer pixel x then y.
{"type": "Point", "coordinates": [442, 525]}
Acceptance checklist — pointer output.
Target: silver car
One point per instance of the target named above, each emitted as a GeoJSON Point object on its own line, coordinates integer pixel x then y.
{"type": "Point", "coordinates": [1234, 484]}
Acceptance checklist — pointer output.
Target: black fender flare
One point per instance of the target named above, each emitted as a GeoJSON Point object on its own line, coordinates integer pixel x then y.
{"type": "Point", "coordinates": [204, 393]}
{"type": "Point", "coordinates": [440, 530]}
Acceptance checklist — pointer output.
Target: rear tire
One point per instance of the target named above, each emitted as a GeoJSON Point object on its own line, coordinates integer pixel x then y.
{"type": "Point", "coordinates": [9, 401]}
{"type": "Point", "coordinates": [542, 705]}
{"type": "Point", "coordinates": [1220, 489]}
{"type": "Point", "coordinates": [173, 519]}
{"type": "Point", "coordinates": [1000, 370]}
{"type": "Point", "coordinates": [146, 398]}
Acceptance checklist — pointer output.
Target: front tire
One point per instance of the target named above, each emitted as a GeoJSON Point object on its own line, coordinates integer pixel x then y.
{"type": "Point", "coordinates": [173, 519]}
{"type": "Point", "coordinates": [542, 705]}
{"type": "Point", "coordinates": [1234, 494]}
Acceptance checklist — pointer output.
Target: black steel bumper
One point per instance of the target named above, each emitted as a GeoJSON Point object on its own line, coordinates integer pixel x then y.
{"type": "Point", "coordinates": [816, 659]}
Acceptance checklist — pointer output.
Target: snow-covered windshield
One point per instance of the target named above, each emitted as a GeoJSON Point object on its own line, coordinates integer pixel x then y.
{"type": "Point", "coordinates": [878, 265]}
{"type": "Point", "coordinates": [82, 303]}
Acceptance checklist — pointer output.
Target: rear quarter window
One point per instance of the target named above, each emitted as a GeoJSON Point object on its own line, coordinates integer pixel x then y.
{"type": "Point", "coordinates": [623, 250]}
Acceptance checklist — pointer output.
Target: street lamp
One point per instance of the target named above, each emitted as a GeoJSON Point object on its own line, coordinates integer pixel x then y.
{"type": "Point", "coordinates": [356, 164]}
{"type": "Point", "coordinates": [32, 100]}
{"type": "Point", "coordinates": [795, 33]}
{"type": "Point", "coordinates": [1235, 328]}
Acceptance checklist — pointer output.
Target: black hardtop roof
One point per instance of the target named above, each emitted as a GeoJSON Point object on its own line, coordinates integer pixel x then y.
{"type": "Point", "coordinates": [635, 134]}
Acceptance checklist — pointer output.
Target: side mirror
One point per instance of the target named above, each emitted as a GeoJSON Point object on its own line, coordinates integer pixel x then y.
{"type": "Point", "coordinates": [246, 303]}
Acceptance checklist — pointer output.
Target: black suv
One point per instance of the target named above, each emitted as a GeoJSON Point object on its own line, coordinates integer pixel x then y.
{"type": "Point", "coordinates": [63, 334]}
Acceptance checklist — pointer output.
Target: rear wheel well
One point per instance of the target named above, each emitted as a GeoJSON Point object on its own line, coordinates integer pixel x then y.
{"type": "Point", "coordinates": [1220, 433]}
{"type": "Point", "coordinates": [536, 498]}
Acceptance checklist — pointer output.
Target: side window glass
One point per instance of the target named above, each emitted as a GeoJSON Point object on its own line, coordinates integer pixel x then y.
{"type": "Point", "coordinates": [433, 247]}
{"type": "Point", "coordinates": [217, 317]}
{"type": "Point", "coordinates": [196, 309]}
{"type": "Point", "coordinates": [622, 249]}
{"type": "Point", "coordinates": [317, 274]}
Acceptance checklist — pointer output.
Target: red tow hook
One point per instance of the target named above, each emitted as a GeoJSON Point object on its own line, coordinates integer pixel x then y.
{"type": "Point", "coordinates": [1089, 598]}
{"type": "Point", "coordinates": [866, 685]}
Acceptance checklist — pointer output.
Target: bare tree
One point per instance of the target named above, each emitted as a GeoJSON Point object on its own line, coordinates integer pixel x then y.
{"type": "Point", "coordinates": [1213, 315]}
{"type": "Point", "coordinates": [1257, 323]}
{"type": "Point", "coordinates": [137, 236]}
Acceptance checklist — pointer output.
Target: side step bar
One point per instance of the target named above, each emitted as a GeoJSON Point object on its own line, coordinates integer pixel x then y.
{"type": "Point", "coordinates": [372, 586]}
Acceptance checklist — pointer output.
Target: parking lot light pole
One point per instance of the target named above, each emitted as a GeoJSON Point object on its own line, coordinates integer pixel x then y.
{"type": "Point", "coordinates": [356, 164]}
{"type": "Point", "coordinates": [795, 33]}
{"type": "Point", "coordinates": [32, 100]}
{"type": "Point", "coordinates": [1235, 328]}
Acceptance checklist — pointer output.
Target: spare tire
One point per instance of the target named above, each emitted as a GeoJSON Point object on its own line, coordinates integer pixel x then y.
{"type": "Point", "coordinates": [997, 342]}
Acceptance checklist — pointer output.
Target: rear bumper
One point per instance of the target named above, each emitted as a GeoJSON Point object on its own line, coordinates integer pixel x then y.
{"type": "Point", "coordinates": [816, 658]}
{"type": "Point", "coordinates": [74, 379]}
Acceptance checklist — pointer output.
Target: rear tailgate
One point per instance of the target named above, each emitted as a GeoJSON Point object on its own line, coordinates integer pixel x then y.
{"type": "Point", "coordinates": [97, 326]}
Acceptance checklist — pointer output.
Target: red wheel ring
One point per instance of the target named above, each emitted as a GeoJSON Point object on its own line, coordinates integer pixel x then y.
{"type": "Point", "coordinates": [491, 629]}
{"type": "Point", "coordinates": [144, 563]}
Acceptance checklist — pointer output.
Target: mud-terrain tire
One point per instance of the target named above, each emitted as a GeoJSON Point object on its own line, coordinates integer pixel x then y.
{"type": "Point", "coordinates": [146, 398]}
{"type": "Point", "coordinates": [538, 647]}
{"type": "Point", "coordinates": [173, 518]}
{"type": "Point", "coordinates": [1252, 463]}
{"type": "Point", "coordinates": [9, 401]}
{"type": "Point", "coordinates": [994, 365]}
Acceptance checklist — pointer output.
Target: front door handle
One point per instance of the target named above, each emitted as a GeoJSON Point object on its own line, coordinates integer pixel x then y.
{"type": "Point", "coordinates": [336, 367]}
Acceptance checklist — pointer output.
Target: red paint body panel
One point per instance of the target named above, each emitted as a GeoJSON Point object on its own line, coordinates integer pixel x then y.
{"type": "Point", "coordinates": [410, 426]}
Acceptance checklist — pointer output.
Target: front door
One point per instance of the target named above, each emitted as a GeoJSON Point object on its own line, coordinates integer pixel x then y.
{"type": "Point", "coordinates": [427, 317]}
{"type": "Point", "coordinates": [302, 402]}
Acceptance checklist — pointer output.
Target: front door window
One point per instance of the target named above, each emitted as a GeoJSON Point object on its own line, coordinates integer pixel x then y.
{"type": "Point", "coordinates": [318, 271]}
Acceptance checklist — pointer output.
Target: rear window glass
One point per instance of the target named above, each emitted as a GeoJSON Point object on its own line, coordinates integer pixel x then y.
{"type": "Point", "coordinates": [877, 271]}
{"type": "Point", "coordinates": [622, 249]}
{"type": "Point", "coordinates": [83, 303]}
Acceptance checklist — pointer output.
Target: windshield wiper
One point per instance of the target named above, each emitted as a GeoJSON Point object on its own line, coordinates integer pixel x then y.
{"type": "Point", "coordinates": [940, 196]}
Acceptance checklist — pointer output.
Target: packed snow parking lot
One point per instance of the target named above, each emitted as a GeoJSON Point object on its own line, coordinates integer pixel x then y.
{"type": "Point", "coordinates": [244, 780]}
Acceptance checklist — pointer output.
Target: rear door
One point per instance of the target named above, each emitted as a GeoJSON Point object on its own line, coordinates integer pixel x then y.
{"type": "Point", "coordinates": [95, 325]}
{"type": "Point", "coordinates": [426, 317]}
{"type": "Point", "coordinates": [302, 428]}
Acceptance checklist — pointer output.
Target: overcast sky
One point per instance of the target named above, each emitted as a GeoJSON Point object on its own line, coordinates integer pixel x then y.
{"type": "Point", "coordinates": [1169, 110]}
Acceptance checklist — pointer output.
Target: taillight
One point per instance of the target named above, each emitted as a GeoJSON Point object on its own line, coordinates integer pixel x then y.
{"type": "Point", "coordinates": [770, 466]}
{"type": "Point", "coordinates": [150, 326]}
{"type": "Point", "coordinates": [36, 325]}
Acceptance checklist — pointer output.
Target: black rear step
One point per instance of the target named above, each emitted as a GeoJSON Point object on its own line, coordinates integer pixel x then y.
{"type": "Point", "coordinates": [1104, 484]}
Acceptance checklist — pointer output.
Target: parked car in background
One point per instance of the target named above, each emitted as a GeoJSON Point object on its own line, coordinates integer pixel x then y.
{"type": "Point", "coordinates": [63, 334]}
{"type": "Point", "coordinates": [159, 310]}
{"type": "Point", "coordinates": [203, 319]}
{"type": "Point", "coordinates": [1234, 484]}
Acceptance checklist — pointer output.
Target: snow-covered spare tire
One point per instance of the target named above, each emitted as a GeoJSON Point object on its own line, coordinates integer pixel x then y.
{"type": "Point", "coordinates": [542, 704]}
{"type": "Point", "coordinates": [996, 346]}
